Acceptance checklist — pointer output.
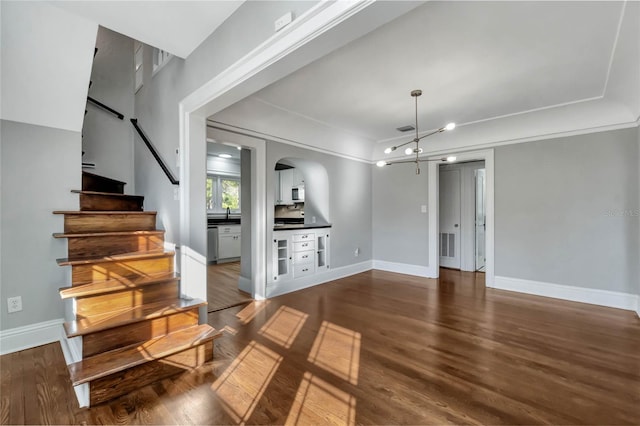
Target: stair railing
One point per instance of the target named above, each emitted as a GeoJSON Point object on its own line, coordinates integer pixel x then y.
{"type": "Point", "coordinates": [105, 107]}
{"type": "Point", "coordinates": [154, 152]}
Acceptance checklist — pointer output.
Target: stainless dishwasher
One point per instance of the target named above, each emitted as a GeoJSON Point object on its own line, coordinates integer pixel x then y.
{"type": "Point", "coordinates": [212, 244]}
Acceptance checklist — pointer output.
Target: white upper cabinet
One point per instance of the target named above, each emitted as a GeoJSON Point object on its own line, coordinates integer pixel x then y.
{"type": "Point", "coordinates": [284, 183]}
{"type": "Point", "coordinates": [298, 177]}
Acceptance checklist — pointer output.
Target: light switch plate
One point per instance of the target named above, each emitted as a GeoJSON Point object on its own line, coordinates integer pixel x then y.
{"type": "Point", "coordinates": [283, 21]}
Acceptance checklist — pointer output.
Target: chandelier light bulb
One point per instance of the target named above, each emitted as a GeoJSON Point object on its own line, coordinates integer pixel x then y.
{"type": "Point", "coordinates": [381, 163]}
{"type": "Point", "coordinates": [388, 150]}
{"type": "Point", "coordinates": [450, 126]}
{"type": "Point", "coordinates": [451, 159]}
{"type": "Point", "coordinates": [408, 151]}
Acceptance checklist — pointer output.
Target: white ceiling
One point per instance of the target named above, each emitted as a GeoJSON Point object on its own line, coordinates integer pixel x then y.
{"type": "Point", "coordinates": [177, 27]}
{"type": "Point", "coordinates": [474, 61]}
{"type": "Point", "coordinates": [215, 149]}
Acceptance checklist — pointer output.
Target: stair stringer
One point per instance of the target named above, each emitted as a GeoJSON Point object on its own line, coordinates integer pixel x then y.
{"type": "Point", "coordinates": [72, 351]}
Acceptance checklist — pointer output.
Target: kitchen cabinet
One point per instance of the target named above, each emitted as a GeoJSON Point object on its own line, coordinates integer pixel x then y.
{"type": "Point", "coordinates": [286, 180]}
{"type": "Point", "coordinates": [229, 242]}
{"type": "Point", "coordinates": [283, 186]}
{"type": "Point", "coordinates": [299, 253]}
{"type": "Point", "coordinates": [298, 177]}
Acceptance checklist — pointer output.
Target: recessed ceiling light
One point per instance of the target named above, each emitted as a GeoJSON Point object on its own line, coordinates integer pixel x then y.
{"type": "Point", "coordinates": [239, 148]}
{"type": "Point", "coordinates": [224, 156]}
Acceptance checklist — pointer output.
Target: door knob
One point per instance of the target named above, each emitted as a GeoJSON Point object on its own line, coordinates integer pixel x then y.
{"type": "Point", "coordinates": [455, 226]}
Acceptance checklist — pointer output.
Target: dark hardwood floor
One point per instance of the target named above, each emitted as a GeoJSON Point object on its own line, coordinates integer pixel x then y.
{"type": "Point", "coordinates": [375, 348]}
{"type": "Point", "coordinates": [222, 286]}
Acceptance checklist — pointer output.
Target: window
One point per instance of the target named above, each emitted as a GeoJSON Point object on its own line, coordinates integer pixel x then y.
{"type": "Point", "coordinates": [160, 59]}
{"type": "Point", "coordinates": [137, 57]}
{"type": "Point", "coordinates": [222, 193]}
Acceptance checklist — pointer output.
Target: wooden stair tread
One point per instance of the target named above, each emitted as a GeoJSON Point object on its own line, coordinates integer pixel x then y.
{"type": "Point", "coordinates": [114, 319]}
{"type": "Point", "coordinates": [104, 178]}
{"type": "Point", "coordinates": [106, 212]}
{"type": "Point", "coordinates": [108, 363]}
{"type": "Point", "coordinates": [107, 194]}
{"type": "Point", "coordinates": [113, 258]}
{"type": "Point", "coordinates": [100, 287]}
{"type": "Point", "coordinates": [106, 234]}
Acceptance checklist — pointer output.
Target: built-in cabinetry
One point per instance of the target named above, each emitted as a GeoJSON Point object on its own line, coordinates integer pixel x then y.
{"type": "Point", "coordinates": [300, 252]}
{"type": "Point", "coordinates": [229, 242]}
{"type": "Point", "coordinates": [286, 180]}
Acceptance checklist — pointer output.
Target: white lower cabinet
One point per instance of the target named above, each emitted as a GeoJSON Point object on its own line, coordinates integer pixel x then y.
{"type": "Point", "coordinates": [229, 242]}
{"type": "Point", "coordinates": [299, 253]}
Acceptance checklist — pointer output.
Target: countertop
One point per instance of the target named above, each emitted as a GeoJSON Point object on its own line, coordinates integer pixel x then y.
{"type": "Point", "coordinates": [289, 226]}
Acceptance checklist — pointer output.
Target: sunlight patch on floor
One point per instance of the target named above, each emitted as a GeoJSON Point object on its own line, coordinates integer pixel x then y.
{"type": "Point", "coordinates": [337, 350]}
{"type": "Point", "coordinates": [283, 327]}
{"type": "Point", "coordinates": [250, 311]}
{"type": "Point", "coordinates": [242, 384]}
{"type": "Point", "coordinates": [318, 402]}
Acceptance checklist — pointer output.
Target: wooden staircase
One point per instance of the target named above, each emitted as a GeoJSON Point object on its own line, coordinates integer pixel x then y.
{"type": "Point", "coordinates": [135, 328]}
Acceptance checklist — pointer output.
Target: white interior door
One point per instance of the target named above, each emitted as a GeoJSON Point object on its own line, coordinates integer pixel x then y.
{"type": "Point", "coordinates": [450, 193]}
{"type": "Point", "coordinates": [480, 219]}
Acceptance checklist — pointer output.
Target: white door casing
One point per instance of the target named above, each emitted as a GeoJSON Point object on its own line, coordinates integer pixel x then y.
{"type": "Point", "coordinates": [480, 219]}
{"type": "Point", "coordinates": [433, 208]}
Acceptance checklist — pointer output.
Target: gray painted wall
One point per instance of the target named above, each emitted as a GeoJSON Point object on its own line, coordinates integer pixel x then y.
{"type": "Point", "coordinates": [349, 201]}
{"type": "Point", "coordinates": [40, 166]}
{"type": "Point", "coordinates": [562, 211]}
{"type": "Point", "coordinates": [156, 103]}
{"type": "Point", "coordinates": [108, 141]}
{"type": "Point", "coordinates": [400, 230]}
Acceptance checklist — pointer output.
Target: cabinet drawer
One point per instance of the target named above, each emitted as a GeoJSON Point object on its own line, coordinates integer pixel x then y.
{"type": "Point", "coordinates": [229, 229]}
{"type": "Point", "coordinates": [304, 246]}
{"type": "Point", "coordinates": [302, 270]}
{"type": "Point", "coordinates": [304, 257]}
{"type": "Point", "coordinates": [310, 236]}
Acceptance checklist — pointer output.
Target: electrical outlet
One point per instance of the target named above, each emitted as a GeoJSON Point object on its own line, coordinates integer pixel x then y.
{"type": "Point", "coordinates": [176, 194]}
{"type": "Point", "coordinates": [357, 252]}
{"type": "Point", "coordinates": [423, 208]}
{"type": "Point", "coordinates": [14, 304]}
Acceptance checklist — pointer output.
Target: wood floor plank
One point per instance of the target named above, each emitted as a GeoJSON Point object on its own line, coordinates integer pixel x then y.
{"type": "Point", "coordinates": [7, 372]}
{"type": "Point", "coordinates": [222, 286]}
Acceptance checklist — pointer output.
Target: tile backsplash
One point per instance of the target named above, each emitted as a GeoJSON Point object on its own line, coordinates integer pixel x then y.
{"type": "Point", "coordinates": [290, 212]}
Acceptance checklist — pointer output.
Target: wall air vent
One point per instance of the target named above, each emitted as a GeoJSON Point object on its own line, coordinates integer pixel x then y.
{"type": "Point", "coordinates": [406, 128]}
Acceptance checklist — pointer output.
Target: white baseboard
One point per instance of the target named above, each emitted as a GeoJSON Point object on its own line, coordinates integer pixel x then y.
{"type": "Point", "coordinates": [277, 289]}
{"type": "Point", "coordinates": [612, 299]}
{"type": "Point", "coordinates": [405, 268]}
{"type": "Point", "coordinates": [29, 336]}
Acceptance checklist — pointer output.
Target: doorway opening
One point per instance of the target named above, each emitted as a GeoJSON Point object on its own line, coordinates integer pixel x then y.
{"type": "Point", "coordinates": [231, 182]}
{"type": "Point", "coordinates": [462, 215]}
{"type": "Point", "coordinates": [479, 230]}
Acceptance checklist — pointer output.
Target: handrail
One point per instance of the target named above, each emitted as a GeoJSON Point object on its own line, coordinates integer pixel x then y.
{"type": "Point", "coordinates": [155, 154]}
{"type": "Point", "coordinates": [103, 106]}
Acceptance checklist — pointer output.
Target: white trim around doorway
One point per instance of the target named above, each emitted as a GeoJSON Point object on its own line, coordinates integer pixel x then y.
{"type": "Point", "coordinates": [210, 98]}
{"type": "Point", "coordinates": [434, 207]}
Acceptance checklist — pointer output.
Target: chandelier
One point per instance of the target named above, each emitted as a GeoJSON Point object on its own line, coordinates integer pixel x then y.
{"type": "Point", "coordinates": [417, 150]}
